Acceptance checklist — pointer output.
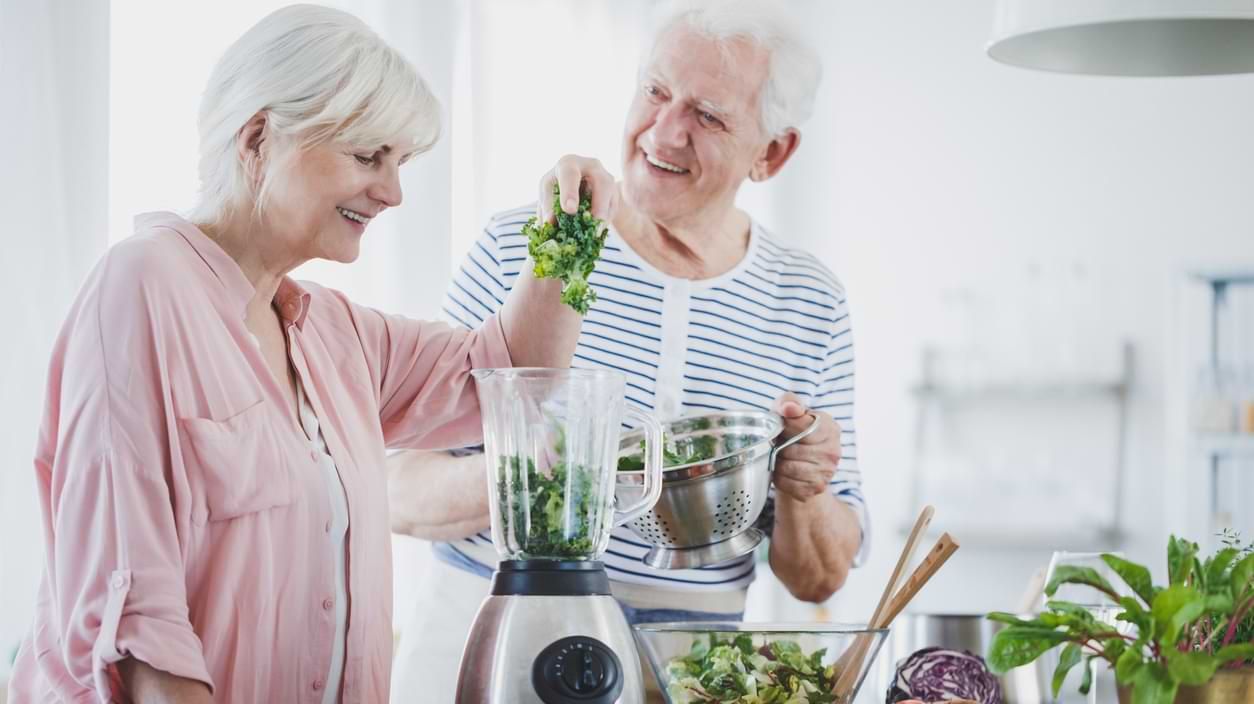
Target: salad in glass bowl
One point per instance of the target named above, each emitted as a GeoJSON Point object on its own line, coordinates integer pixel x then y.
{"type": "Point", "coordinates": [751, 663]}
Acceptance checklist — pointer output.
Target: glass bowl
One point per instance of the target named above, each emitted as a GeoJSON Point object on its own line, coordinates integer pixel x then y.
{"type": "Point", "coordinates": [723, 662]}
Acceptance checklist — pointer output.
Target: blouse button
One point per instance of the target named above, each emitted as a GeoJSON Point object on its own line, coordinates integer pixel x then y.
{"type": "Point", "coordinates": [327, 528]}
{"type": "Point", "coordinates": [118, 581]}
{"type": "Point", "coordinates": [327, 604]}
{"type": "Point", "coordinates": [317, 685]}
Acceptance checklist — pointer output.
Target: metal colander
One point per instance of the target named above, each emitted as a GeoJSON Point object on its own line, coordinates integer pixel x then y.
{"type": "Point", "coordinates": [706, 513]}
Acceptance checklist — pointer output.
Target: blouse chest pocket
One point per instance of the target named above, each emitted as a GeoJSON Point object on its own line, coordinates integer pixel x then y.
{"type": "Point", "coordinates": [238, 463]}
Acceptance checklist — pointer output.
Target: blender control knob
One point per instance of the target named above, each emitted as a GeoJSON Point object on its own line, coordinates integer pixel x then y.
{"type": "Point", "coordinates": [577, 669]}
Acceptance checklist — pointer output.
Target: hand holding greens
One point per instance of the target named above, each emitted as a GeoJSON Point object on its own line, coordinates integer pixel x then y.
{"type": "Point", "coordinates": [568, 250]}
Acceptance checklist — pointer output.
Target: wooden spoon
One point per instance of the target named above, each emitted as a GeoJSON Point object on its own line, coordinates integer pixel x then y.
{"type": "Point", "coordinates": [851, 661]}
{"type": "Point", "coordinates": [940, 553]}
{"type": "Point", "coordinates": [907, 556]}
{"type": "Point", "coordinates": [944, 549]}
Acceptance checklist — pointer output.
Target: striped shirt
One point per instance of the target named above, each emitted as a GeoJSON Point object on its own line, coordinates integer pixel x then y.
{"type": "Point", "coordinates": [777, 322]}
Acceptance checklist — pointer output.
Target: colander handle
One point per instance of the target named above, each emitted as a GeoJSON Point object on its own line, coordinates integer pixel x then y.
{"type": "Point", "coordinates": [652, 468]}
{"type": "Point", "coordinates": [814, 425]}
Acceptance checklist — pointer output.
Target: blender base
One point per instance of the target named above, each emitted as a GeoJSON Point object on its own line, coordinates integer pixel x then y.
{"type": "Point", "coordinates": [529, 648]}
{"type": "Point", "coordinates": [664, 558]}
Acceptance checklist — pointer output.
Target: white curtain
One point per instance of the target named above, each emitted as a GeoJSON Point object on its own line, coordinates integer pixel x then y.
{"type": "Point", "coordinates": [54, 73]}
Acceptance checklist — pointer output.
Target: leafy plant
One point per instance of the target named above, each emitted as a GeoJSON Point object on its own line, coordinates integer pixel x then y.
{"type": "Point", "coordinates": [733, 669]}
{"type": "Point", "coordinates": [1231, 539]}
{"type": "Point", "coordinates": [1180, 634]}
{"type": "Point", "coordinates": [550, 524]}
{"type": "Point", "coordinates": [568, 250]}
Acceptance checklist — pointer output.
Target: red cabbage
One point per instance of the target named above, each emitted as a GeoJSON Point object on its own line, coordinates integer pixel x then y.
{"type": "Point", "coordinates": [936, 674]}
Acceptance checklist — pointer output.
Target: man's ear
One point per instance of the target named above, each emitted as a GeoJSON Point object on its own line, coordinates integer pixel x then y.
{"type": "Point", "coordinates": [775, 155]}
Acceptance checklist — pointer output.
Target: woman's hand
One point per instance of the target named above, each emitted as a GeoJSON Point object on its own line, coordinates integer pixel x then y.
{"type": "Point", "coordinates": [540, 330]}
{"type": "Point", "coordinates": [144, 683]}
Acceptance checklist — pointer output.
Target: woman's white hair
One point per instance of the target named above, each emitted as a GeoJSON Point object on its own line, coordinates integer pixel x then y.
{"type": "Point", "coordinates": [318, 75]}
{"type": "Point", "coordinates": [787, 98]}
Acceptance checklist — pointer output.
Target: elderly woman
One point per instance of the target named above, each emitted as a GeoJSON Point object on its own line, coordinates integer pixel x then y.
{"type": "Point", "coordinates": [211, 461]}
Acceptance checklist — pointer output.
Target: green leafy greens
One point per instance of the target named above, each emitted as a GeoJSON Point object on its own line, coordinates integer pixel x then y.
{"type": "Point", "coordinates": [1184, 632]}
{"type": "Point", "coordinates": [731, 669]}
{"type": "Point", "coordinates": [559, 526]}
{"type": "Point", "coordinates": [692, 449]}
{"type": "Point", "coordinates": [568, 250]}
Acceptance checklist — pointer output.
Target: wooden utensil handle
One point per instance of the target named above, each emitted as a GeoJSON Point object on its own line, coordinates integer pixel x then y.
{"type": "Point", "coordinates": [945, 547]}
{"type": "Point", "coordinates": [903, 561]}
{"type": "Point", "coordinates": [851, 661]}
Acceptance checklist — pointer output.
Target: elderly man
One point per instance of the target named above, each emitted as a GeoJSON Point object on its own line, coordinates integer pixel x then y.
{"type": "Point", "coordinates": [698, 306]}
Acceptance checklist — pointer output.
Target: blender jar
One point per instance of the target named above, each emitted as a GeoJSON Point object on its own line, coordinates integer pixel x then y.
{"type": "Point", "coordinates": [551, 439]}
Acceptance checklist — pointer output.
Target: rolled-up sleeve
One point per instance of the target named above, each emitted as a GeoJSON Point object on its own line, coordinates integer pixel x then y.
{"type": "Point", "coordinates": [119, 577]}
{"type": "Point", "coordinates": [114, 584]}
{"type": "Point", "coordinates": [421, 371]}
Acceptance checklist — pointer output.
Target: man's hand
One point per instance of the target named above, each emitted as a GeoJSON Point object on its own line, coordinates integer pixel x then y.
{"type": "Point", "coordinates": [568, 173]}
{"type": "Point", "coordinates": [816, 535]}
{"type": "Point", "coordinates": [804, 469]}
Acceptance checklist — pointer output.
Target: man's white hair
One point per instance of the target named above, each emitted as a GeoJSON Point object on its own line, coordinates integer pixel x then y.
{"type": "Point", "coordinates": [787, 98]}
{"type": "Point", "coordinates": [319, 75]}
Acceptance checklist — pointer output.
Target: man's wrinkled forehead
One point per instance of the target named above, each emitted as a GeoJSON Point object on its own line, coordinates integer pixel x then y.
{"type": "Point", "coordinates": [727, 74]}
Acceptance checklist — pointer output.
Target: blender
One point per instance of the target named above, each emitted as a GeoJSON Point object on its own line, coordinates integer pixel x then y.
{"type": "Point", "coordinates": [550, 632]}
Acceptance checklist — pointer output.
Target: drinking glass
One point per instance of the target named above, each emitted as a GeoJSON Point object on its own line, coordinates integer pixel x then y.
{"type": "Point", "coordinates": [1092, 600]}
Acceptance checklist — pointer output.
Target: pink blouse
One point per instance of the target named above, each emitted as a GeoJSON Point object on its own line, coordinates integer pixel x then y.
{"type": "Point", "coordinates": [184, 515]}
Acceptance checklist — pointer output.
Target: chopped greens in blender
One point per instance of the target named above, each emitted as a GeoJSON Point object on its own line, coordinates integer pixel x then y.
{"type": "Point", "coordinates": [556, 530]}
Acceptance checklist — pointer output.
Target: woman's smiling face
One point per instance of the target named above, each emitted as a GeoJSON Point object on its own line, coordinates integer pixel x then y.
{"type": "Point", "coordinates": [323, 197]}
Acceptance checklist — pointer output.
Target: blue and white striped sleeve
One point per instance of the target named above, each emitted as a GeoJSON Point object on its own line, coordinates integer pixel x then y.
{"type": "Point", "coordinates": [475, 292]}
{"type": "Point", "coordinates": [835, 396]}
{"type": "Point", "coordinates": [477, 289]}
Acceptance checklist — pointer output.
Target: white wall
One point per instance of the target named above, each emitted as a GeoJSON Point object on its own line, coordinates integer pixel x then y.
{"type": "Point", "coordinates": [928, 169]}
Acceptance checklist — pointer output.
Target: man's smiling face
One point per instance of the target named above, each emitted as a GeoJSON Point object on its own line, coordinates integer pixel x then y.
{"type": "Point", "coordinates": [694, 130]}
